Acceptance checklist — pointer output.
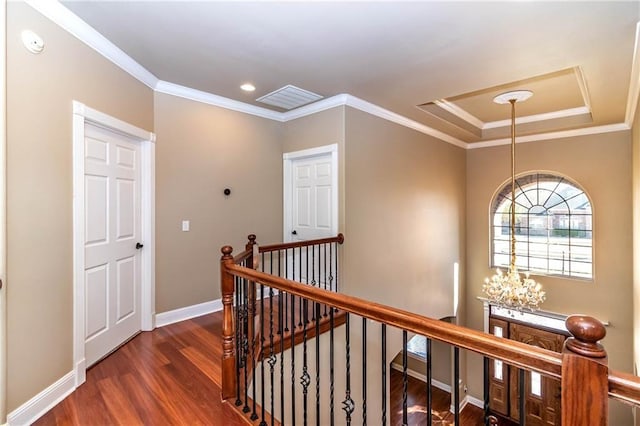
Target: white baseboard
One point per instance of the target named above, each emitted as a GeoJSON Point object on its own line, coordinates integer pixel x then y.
{"type": "Point", "coordinates": [33, 409]}
{"type": "Point", "coordinates": [475, 401]}
{"type": "Point", "coordinates": [188, 312]}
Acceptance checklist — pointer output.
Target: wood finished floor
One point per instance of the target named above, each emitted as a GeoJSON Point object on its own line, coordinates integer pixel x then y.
{"type": "Point", "coordinates": [171, 376]}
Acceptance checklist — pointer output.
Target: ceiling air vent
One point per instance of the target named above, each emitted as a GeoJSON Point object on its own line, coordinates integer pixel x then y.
{"type": "Point", "coordinates": [289, 97]}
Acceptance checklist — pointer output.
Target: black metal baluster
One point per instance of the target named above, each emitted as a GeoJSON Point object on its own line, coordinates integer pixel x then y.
{"type": "Point", "coordinates": [261, 343]}
{"type": "Point", "coordinates": [337, 273]}
{"type": "Point", "coordinates": [405, 380]}
{"type": "Point", "coordinates": [486, 373]}
{"type": "Point", "coordinates": [238, 336]}
{"type": "Point", "coordinates": [313, 277]}
{"type": "Point", "coordinates": [305, 380]}
{"type": "Point", "coordinates": [300, 281]}
{"type": "Point", "coordinates": [325, 276]}
{"type": "Point", "coordinates": [456, 386]}
{"type": "Point", "coordinates": [286, 297]}
{"type": "Point", "coordinates": [521, 399]}
{"type": "Point", "coordinates": [364, 371]}
{"type": "Point", "coordinates": [272, 357]}
{"type": "Point", "coordinates": [245, 346]}
{"type": "Point", "coordinates": [318, 365]}
{"type": "Point", "coordinates": [331, 361]}
{"type": "Point", "coordinates": [348, 405]}
{"type": "Point", "coordinates": [293, 357]}
{"type": "Point", "coordinates": [384, 374]}
{"type": "Point", "coordinates": [429, 379]}
{"type": "Point", "coordinates": [282, 317]}
{"type": "Point", "coordinates": [331, 267]}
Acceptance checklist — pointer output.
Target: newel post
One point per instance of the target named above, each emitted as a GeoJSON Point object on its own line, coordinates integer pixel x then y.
{"type": "Point", "coordinates": [585, 374]}
{"type": "Point", "coordinates": [228, 327]}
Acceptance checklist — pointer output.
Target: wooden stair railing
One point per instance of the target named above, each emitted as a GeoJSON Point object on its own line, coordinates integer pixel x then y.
{"type": "Point", "coordinates": [582, 367]}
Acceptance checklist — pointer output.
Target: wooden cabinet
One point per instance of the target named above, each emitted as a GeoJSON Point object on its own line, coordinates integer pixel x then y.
{"type": "Point", "coordinates": [542, 394]}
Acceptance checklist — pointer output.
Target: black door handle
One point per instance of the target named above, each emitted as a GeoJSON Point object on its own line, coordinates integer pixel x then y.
{"type": "Point", "coordinates": [139, 246]}
{"type": "Point", "coordinates": [294, 232]}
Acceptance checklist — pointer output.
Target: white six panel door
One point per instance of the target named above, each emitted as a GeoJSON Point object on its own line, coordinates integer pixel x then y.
{"type": "Point", "coordinates": [112, 229]}
{"type": "Point", "coordinates": [312, 198]}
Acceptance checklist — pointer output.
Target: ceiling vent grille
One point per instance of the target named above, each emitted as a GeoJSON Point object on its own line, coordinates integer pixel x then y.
{"type": "Point", "coordinates": [289, 97]}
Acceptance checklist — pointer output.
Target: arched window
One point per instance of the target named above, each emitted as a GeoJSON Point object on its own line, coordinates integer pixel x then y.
{"type": "Point", "coordinates": [554, 228]}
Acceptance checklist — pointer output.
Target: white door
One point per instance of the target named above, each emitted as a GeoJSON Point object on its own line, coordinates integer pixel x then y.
{"type": "Point", "coordinates": [312, 198]}
{"type": "Point", "coordinates": [112, 231]}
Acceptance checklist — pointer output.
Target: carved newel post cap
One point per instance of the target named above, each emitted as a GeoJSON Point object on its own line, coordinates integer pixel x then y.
{"type": "Point", "coordinates": [587, 332]}
{"type": "Point", "coordinates": [340, 238]}
{"type": "Point", "coordinates": [226, 252]}
{"type": "Point", "coordinates": [252, 238]}
{"type": "Point", "coordinates": [493, 420]}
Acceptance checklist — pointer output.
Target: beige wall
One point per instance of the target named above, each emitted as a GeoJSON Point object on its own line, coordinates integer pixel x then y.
{"type": "Point", "coordinates": [601, 164]}
{"type": "Point", "coordinates": [200, 151]}
{"type": "Point", "coordinates": [40, 89]}
{"type": "Point", "coordinates": [405, 225]}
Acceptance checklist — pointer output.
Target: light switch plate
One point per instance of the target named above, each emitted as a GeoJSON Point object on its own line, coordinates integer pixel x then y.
{"type": "Point", "coordinates": [185, 225]}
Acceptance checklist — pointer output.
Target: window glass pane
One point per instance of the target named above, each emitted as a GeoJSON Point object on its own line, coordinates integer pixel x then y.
{"type": "Point", "coordinates": [553, 228]}
{"type": "Point", "coordinates": [536, 384]}
{"type": "Point", "coordinates": [417, 345]}
{"type": "Point", "coordinates": [497, 370]}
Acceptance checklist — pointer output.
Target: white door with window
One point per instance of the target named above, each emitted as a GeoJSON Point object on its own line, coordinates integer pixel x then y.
{"type": "Point", "coordinates": [112, 246]}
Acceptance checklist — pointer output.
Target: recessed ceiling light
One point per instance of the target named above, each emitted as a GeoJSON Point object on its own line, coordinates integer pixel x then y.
{"type": "Point", "coordinates": [248, 87]}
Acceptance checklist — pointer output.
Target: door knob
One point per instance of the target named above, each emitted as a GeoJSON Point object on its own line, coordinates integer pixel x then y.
{"type": "Point", "coordinates": [294, 232]}
{"type": "Point", "coordinates": [139, 246]}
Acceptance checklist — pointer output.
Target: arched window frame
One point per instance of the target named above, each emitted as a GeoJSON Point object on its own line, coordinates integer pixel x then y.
{"type": "Point", "coordinates": [575, 245]}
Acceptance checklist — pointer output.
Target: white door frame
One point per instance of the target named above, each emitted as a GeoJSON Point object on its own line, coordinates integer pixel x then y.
{"type": "Point", "coordinates": [82, 115]}
{"type": "Point", "coordinates": [287, 179]}
{"type": "Point", "coordinates": [3, 215]}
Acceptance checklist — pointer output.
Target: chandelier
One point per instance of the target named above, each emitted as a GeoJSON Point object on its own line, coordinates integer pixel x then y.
{"type": "Point", "coordinates": [510, 289]}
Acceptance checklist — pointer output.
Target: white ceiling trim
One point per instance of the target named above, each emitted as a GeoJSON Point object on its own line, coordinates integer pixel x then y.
{"type": "Point", "coordinates": [460, 113]}
{"type": "Point", "coordinates": [563, 113]}
{"type": "Point", "coordinates": [582, 84]}
{"type": "Point", "coordinates": [215, 100]}
{"type": "Point", "coordinates": [378, 111]}
{"type": "Point", "coordinates": [595, 130]}
{"type": "Point", "coordinates": [69, 21]}
{"type": "Point", "coordinates": [634, 84]}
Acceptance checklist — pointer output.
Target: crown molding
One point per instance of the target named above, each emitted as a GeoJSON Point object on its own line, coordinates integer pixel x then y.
{"type": "Point", "coordinates": [460, 113]}
{"type": "Point", "coordinates": [563, 113]}
{"type": "Point", "coordinates": [75, 26]}
{"type": "Point", "coordinates": [378, 111]}
{"type": "Point", "coordinates": [63, 17]}
{"type": "Point", "coordinates": [634, 84]}
{"type": "Point", "coordinates": [215, 100]}
{"type": "Point", "coordinates": [594, 130]}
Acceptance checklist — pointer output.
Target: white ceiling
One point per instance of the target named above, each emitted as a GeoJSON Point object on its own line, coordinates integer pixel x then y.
{"type": "Point", "coordinates": [396, 55]}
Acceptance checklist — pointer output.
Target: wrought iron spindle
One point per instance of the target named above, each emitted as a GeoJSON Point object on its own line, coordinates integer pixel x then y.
{"type": "Point", "coordinates": [348, 405]}
{"type": "Point", "coordinates": [456, 386]}
{"type": "Point", "coordinates": [336, 268]}
{"type": "Point", "coordinates": [293, 358]}
{"type": "Point", "coordinates": [364, 371]}
{"type": "Point", "coordinates": [405, 380]}
{"type": "Point", "coordinates": [261, 343]}
{"type": "Point", "coordinates": [313, 277]}
{"type": "Point", "coordinates": [331, 267]}
{"type": "Point", "coordinates": [384, 373]}
{"type": "Point", "coordinates": [318, 364]}
{"type": "Point", "coordinates": [429, 380]}
{"type": "Point", "coordinates": [283, 319]}
{"type": "Point", "coordinates": [331, 361]}
{"type": "Point", "coordinates": [272, 358]}
{"type": "Point", "coordinates": [300, 280]}
{"type": "Point", "coordinates": [238, 337]}
{"type": "Point", "coordinates": [325, 275]}
{"type": "Point", "coordinates": [286, 298]}
{"type": "Point", "coordinates": [486, 374]}
{"type": "Point", "coordinates": [305, 379]}
{"type": "Point", "coordinates": [245, 346]}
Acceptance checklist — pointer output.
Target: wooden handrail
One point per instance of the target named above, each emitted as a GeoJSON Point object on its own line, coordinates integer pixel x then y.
{"type": "Point", "coordinates": [239, 258]}
{"type": "Point", "coordinates": [515, 353]}
{"type": "Point", "coordinates": [624, 387]}
{"type": "Point", "coordinates": [282, 246]}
